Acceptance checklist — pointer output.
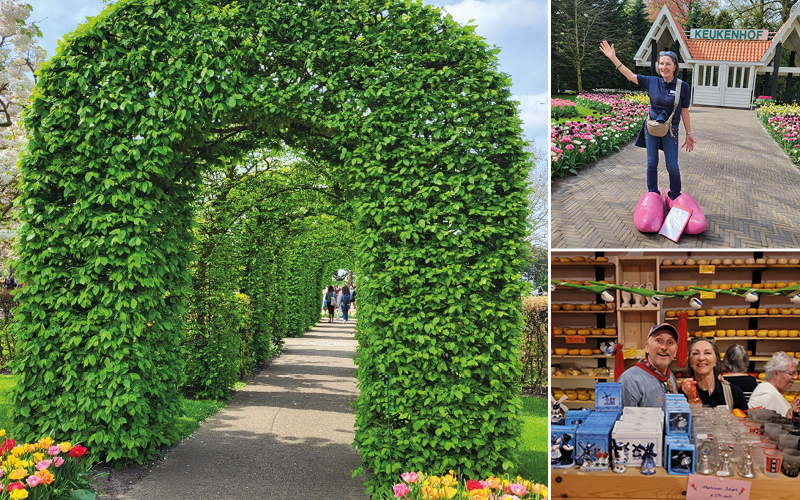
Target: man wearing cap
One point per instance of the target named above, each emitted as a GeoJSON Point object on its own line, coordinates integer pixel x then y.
{"type": "Point", "coordinates": [647, 382]}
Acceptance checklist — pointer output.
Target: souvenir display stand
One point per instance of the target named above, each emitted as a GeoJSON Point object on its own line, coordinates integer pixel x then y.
{"type": "Point", "coordinates": [768, 325]}
{"type": "Point", "coordinates": [576, 485]}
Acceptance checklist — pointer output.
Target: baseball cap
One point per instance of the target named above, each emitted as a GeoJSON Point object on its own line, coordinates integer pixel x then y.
{"type": "Point", "coordinates": [664, 327]}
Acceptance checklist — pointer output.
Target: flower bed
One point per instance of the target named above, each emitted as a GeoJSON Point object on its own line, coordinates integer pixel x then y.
{"type": "Point", "coordinates": [562, 108]}
{"type": "Point", "coordinates": [783, 123]}
{"type": "Point", "coordinates": [44, 471]}
{"type": "Point", "coordinates": [418, 486]}
{"type": "Point", "coordinates": [576, 143]}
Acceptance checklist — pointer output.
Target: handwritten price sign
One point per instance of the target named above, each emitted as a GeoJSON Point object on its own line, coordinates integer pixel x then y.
{"type": "Point", "coordinates": [711, 487]}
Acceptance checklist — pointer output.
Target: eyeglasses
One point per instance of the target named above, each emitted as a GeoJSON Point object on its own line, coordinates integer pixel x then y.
{"type": "Point", "coordinates": [666, 53]}
{"type": "Point", "coordinates": [791, 374]}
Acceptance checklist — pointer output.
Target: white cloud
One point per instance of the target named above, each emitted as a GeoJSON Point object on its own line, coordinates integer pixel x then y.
{"type": "Point", "coordinates": [535, 114]}
{"type": "Point", "coordinates": [496, 17]}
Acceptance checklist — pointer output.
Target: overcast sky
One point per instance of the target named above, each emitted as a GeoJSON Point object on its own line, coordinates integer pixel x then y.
{"type": "Point", "coordinates": [518, 27]}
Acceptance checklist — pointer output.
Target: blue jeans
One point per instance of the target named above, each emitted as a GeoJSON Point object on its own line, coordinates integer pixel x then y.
{"type": "Point", "coordinates": [670, 145]}
{"type": "Point", "coordinates": [345, 310]}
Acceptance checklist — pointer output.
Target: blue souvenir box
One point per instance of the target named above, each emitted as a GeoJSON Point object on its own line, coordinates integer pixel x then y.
{"type": "Point", "coordinates": [608, 396]}
{"type": "Point", "coordinates": [594, 442]}
{"type": "Point", "coordinates": [677, 415]}
{"type": "Point", "coordinates": [576, 417]}
{"type": "Point", "coordinates": [562, 446]}
{"type": "Point", "coordinates": [679, 455]}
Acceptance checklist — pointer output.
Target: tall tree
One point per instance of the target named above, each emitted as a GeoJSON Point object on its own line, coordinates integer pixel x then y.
{"type": "Point", "coordinates": [680, 9]}
{"type": "Point", "coordinates": [761, 14]}
{"type": "Point", "coordinates": [578, 26]}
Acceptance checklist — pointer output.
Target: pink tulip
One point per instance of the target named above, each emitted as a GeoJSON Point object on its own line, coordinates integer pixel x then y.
{"type": "Point", "coordinates": [43, 464]}
{"type": "Point", "coordinates": [400, 490]}
{"type": "Point", "coordinates": [409, 477]}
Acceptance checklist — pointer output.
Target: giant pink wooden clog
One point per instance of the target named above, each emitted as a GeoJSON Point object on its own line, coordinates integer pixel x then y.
{"type": "Point", "coordinates": [697, 222]}
{"type": "Point", "coordinates": [649, 213]}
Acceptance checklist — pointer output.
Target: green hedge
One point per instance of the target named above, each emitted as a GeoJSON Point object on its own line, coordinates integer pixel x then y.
{"type": "Point", "coordinates": [535, 364]}
{"type": "Point", "coordinates": [407, 120]}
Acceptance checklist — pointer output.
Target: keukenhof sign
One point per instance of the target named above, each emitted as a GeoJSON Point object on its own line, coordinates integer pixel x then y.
{"type": "Point", "coordinates": [715, 34]}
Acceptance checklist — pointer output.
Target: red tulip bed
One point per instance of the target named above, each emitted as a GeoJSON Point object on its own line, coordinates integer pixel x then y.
{"type": "Point", "coordinates": [574, 144]}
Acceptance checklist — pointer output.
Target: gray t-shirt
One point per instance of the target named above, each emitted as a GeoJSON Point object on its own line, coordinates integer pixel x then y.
{"type": "Point", "coordinates": [640, 388]}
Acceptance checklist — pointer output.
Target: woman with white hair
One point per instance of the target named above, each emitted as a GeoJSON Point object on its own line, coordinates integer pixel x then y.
{"type": "Point", "coordinates": [779, 376]}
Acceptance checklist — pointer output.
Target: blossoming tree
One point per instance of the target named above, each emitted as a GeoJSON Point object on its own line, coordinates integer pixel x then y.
{"type": "Point", "coordinates": [20, 57]}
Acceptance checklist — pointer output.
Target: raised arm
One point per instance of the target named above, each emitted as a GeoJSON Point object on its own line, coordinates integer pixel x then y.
{"type": "Point", "coordinates": [608, 50]}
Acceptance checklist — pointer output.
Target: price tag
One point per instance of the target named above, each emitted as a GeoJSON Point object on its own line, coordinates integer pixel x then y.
{"type": "Point", "coordinates": [708, 321]}
{"type": "Point", "coordinates": [708, 295]}
{"type": "Point", "coordinates": [575, 339]}
{"type": "Point", "coordinates": [707, 269]}
{"type": "Point", "coordinates": [630, 353]}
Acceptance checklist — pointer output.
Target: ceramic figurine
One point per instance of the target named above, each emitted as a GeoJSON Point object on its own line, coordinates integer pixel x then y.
{"type": "Point", "coordinates": [620, 457]}
{"type": "Point", "coordinates": [648, 460]}
{"type": "Point", "coordinates": [557, 410]}
{"type": "Point", "coordinates": [626, 296]}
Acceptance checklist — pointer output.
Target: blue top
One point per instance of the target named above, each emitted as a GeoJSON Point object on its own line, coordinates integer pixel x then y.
{"type": "Point", "coordinates": [662, 95]}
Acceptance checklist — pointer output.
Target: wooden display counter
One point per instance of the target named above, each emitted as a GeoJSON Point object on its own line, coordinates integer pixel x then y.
{"type": "Point", "coordinates": [577, 485]}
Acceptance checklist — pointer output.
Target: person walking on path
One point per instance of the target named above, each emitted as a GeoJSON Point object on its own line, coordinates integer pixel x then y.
{"type": "Point", "coordinates": [664, 106]}
{"type": "Point", "coordinates": [330, 301]}
{"type": "Point", "coordinates": [344, 302]}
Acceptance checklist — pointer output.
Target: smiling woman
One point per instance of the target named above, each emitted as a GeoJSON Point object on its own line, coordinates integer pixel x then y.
{"type": "Point", "coordinates": [704, 384]}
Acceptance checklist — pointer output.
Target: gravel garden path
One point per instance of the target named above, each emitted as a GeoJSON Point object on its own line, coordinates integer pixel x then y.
{"type": "Point", "coordinates": [287, 435]}
{"type": "Point", "coordinates": [747, 187]}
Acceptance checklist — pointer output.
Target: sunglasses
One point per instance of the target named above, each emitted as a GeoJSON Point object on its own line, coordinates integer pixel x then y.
{"type": "Point", "coordinates": [666, 53]}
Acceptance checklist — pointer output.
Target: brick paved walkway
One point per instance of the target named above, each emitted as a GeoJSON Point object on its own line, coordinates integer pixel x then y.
{"type": "Point", "coordinates": [746, 185]}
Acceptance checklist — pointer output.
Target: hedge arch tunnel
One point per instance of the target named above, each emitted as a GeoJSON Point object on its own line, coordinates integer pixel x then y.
{"type": "Point", "coordinates": [411, 115]}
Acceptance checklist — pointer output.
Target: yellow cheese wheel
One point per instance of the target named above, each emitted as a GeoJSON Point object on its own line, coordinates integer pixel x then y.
{"type": "Point", "coordinates": [586, 352]}
{"type": "Point", "coordinates": [711, 312]}
{"type": "Point", "coordinates": [761, 311]}
{"type": "Point", "coordinates": [709, 333]}
{"type": "Point", "coordinates": [598, 307]}
{"type": "Point", "coordinates": [597, 331]}
{"type": "Point", "coordinates": [783, 332]}
{"type": "Point", "coordinates": [579, 259]}
{"type": "Point", "coordinates": [570, 331]}
{"type": "Point", "coordinates": [679, 262]}
{"type": "Point", "coordinates": [558, 330]}
{"type": "Point", "coordinates": [690, 312]}
{"type": "Point", "coordinates": [670, 289]}
{"type": "Point", "coordinates": [761, 333]}
{"type": "Point", "coordinates": [585, 307]}
{"type": "Point", "coordinates": [761, 376]}
{"type": "Point", "coordinates": [731, 312]}
{"type": "Point", "coordinates": [730, 333]}
{"type": "Point", "coordinates": [742, 311]}
{"type": "Point", "coordinates": [783, 261]}
{"type": "Point", "coordinates": [601, 259]}
{"type": "Point", "coordinates": [670, 314]}
{"type": "Point", "coordinates": [555, 307]}
{"type": "Point", "coordinates": [772, 311]}
{"type": "Point", "coordinates": [751, 333]}
{"type": "Point", "coordinates": [666, 262]}
{"type": "Point", "coordinates": [562, 351]}
{"type": "Point", "coordinates": [610, 332]}
{"type": "Point", "coordinates": [752, 311]}
{"type": "Point", "coordinates": [772, 333]}
{"type": "Point", "coordinates": [724, 286]}
{"type": "Point", "coordinates": [794, 333]}
{"type": "Point", "coordinates": [738, 262]}
{"type": "Point", "coordinates": [584, 331]}
{"type": "Point", "coordinates": [690, 262]}
{"type": "Point", "coordinates": [568, 307]}
{"type": "Point", "coordinates": [702, 262]}
{"type": "Point", "coordinates": [584, 396]}
{"type": "Point", "coordinates": [574, 352]}
{"type": "Point", "coordinates": [700, 313]}
{"type": "Point", "coordinates": [727, 262]}
{"type": "Point", "coordinates": [566, 259]}
{"type": "Point", "coordinates": [741, 333]}
{"type": "Point", "coordinates": [771, 262]}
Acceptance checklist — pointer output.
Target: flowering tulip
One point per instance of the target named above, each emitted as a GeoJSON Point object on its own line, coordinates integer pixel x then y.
{"type": "Point", "coordinates": [401, 490]}
{"type": "Point", "coordinates": [409, 477]}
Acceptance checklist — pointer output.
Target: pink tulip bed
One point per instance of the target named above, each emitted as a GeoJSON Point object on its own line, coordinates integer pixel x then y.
{"type": "Point", "coordinates": [783, 123]}
{"type": "Point", "coordinates": [562, 108]}
{"type": "Point", "coordinates": [573, 144]}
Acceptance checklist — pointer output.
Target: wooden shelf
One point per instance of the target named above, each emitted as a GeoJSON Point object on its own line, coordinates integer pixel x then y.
{"type": "Point", "coordinates": [742, 316]}
{"type": "Point", "coordinates": [638, 309]}
{"type": "Point", "coordinates": [580, 377]}
{"type": "Point", "coordinates": [577, 485]}
{"type": "Point", "coordinates": [577, 402]}
{"type": "Point", "coordinates": [593, 356]}
{"type": "Point", "coordinates": [743, 267]}
{"type": "Point", "coordinates": [752, 338]}
{"type": "Point", "coordinates": [584, 312]}
{"type": "Point", "coordinates": [561, 336]}
{"type": "Point", "coordinates": [593, 263]}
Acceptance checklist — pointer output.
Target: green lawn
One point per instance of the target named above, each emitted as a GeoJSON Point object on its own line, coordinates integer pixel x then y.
{"type": "Point", "coordinates": [533, 463]}
{"type": "Point", "coordinates": [582, 112]}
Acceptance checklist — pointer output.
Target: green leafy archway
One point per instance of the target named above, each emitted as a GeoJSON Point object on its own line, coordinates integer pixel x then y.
{"type": "Point", "coordinates": [410, 116]}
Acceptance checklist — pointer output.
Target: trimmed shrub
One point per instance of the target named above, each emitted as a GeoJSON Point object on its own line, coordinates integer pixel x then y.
{"type": "Point", "coordinates": [534, 347]}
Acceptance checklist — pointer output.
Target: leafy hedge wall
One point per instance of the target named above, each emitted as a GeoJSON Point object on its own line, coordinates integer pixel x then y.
{"type": "Point", "coordinates": [535, 338]}
{"type": "Point", "coordinates": [402, 110]}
